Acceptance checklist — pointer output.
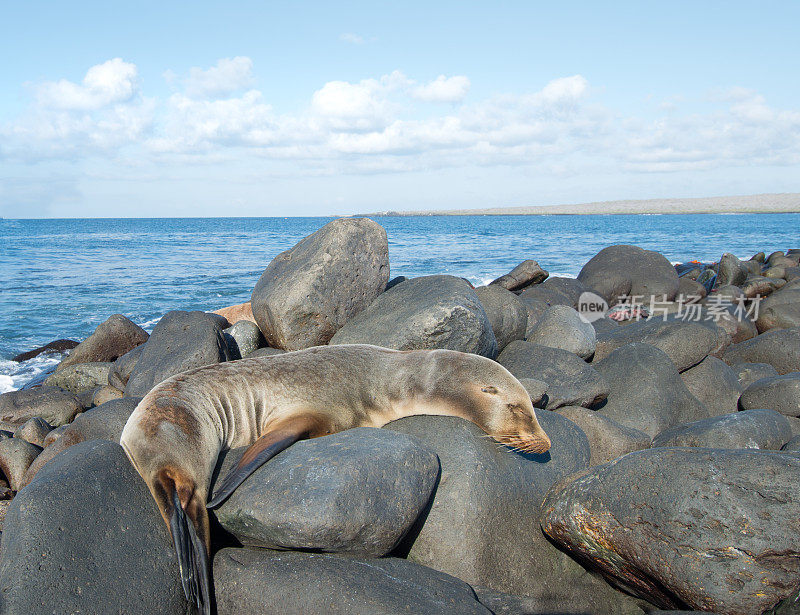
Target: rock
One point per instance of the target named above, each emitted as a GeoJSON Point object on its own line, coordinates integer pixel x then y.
{"type": "Point", "coordinates": [435, 311]}
{"type": "Point", "coordinates": [604, 325]}
{"type": "Point", "coordinates": [55, 346]}
{"type": "Point", "coordinates": [237, 313]}
{"type": "Point", "coordinates": [123, 368]}
{"type": "Point", "coordinates": [608, 440]}
{"type": "Point", "coordinates": [34, 430]}
{"type": "Point", "coordinates": [358, 491]}
{"type": "Point", "coordinates": [251, 581]}
{"type": "Point", "coordinates": [748, 373]}
{"type": "Point", "coordinates": [507, 315]}
{"type": "Point", "coordinates": [752, 267]}
{"type": "Point", "coordinates": [785, 316]}
{"type": "Point", "coordinates": [789, 296]}
{"type": "Point", "coordinates": [54, 405]}
{"type": "Point", "coordinates": [645, 390]}
{"type": "Point", "coordinates": [550, 295]}
{"type": "Point", "coordinates": [779, 348]}
{"type": "Point", "coordinates": [265, 352]}
{"type": "Point", "coordinates": [308, 292]}
{"type": "Point", "coordinates": [86, 537]}
{"type": "Point", "coordinates": [246, 338]}
{"type": "Point", "coordinates": [395, 281]}
{"type": "Point", "coordinates": [764, 429]}
{"type": "Point", "coordinates": [112, 339]}
{"type": "Point", "coordinates": [775, 255]}
{"type": "Point", "coordinates": [526, 273]}
{"type": "Point", "coordinates": [501, 603]}
{"type": "Point", "coordinates": [570, 380]}
{"type": "Point", "coordinates": [54, 435]}
{"type": "Point", "coordinates": [730, 271]}
{"type": "Point", "coordinates": [482, 526]}
{"type": "Point", "coordinates": [104, 394]}
{"type": "Point", "coordinates": [782, 261]}
{"type": "Point", "coordinates": [80, 377]}
{"type": "Point", "coordinates": [537, 390]}
{"type": "Point", "coordinates": [792, 446]}
{"type": "Point", "coordinates": [623, 271]}
{"type": "Point", "coordinates": [688, 288]}
{"type": "Point", "coordinates": [715, 384]}
{"type": "Point", "coordinates": [685, 343]}
{"type": "Point", "coordinates": [759, 257]}
{"type": "Point", "coordinates": [792, 273]}
{"type": "Point", "coordinates": [16, 455]}
{"type": "Point", "coordinates": [780, 393]}
{"type": "Point", "coordinates": [102, 423]}
{"type": "Point", "coordinates": [180, 341]}
{"type": "Point", "coordinates": [570, 287]}
{"type": "Point", "coordinates": [714, 530]}
{"type": "Point", "coordinates": [757, 285]}
{"type": "Point", "coordinates": [536, 308]}
{"type": "Point", "coordinates": [86, 397]}
{"type": "Point", "coordinates": [562, 327]}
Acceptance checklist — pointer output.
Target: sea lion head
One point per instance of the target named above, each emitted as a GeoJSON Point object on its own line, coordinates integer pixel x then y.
{"type": "Point", "coordinates": [492, 398]}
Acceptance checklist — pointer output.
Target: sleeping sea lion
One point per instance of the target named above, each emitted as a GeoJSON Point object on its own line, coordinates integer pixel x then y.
{"type": "Point", "coordinates": [176, 433]}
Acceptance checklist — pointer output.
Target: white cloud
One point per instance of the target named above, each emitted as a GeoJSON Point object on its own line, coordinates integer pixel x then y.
{"type": "Point", "coordinates": [443, 89]}
{"type": "Point", "coordinates": [111, 82]}
{"type": "Point", "coordinates": [349, 37]}
{"type": "Point", "coordinates": [228, 75]}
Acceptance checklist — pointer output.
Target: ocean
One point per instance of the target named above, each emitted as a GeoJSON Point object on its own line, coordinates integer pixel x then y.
{"type": "Point", "coordinates": [61, 278]}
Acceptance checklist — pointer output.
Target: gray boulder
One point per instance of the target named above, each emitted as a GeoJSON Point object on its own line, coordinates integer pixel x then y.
{"type": "Point", "coordinates": [123, 368]}
{"type": "Point", "coordinates": [792, 446]}
{"type": "Point", "coordinates": [80, 377]}
{"type": "Point", "coordinates": [646, 391]}
{"type": "Point", "coordinates": [562, 327]}
{"type": "Point", "coordinates": [308, 292]}
{"type": "Point", "coordinates": [782, 316]}
{"type": "Point", "coordinates": [688, 288]}
{"type": "Point", "coordinates": [626, 271]}
{"type": "Point", "coordinates": [779, 348]}
{"type": "Point", "coordinates": [16, 455]}
{"type": "Point", "coordinates": [245, 337]}
{"type": "Point", "coordinates": [54, 405]}
{"type": "Point", "coordinates": [358, 491]}
{"type": "Point", "coordinates": [255, 581]}
{"type": "Point", "coordinates": [536, 308]}
{"type": "Point", "coordinates": [780, 393]}
{"type": "Point", "coordinates": [180, 341]}
{"type": "Point", "coordinates": [112, 339]}
{"type": "Point", "coordinates": [715, 384]}
{"type": "Point", "coordinates": [526, 273]}
{"type": "Point", "coordinates": [435, 311]}
{"type": "Point", "coordinates": [86, 537]}
{"type": "Point", "coordinates": [570, 380]}
{"type": "Point", "coordinates": [731, 270]}
{"type": "Point", "coordinates": [764, 429]}
{"type": "Point", "coordinates": [608, 439]}
{"type": "Point", "coordinates": [34, 430]}
{"type": "Point", "coordinates": [550, 295]}
{"type": "Point", "coordinates": [507, 315]}
{"type": "Point", "coordinates": [748, 373]}
{"type": "Point", "coordinates": [571, 287]}
{"type": "Point", "coordinates": [714, 530]}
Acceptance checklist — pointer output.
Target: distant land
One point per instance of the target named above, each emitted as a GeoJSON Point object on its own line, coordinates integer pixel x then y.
{"type": "Point", "coordinates": [753, 204]}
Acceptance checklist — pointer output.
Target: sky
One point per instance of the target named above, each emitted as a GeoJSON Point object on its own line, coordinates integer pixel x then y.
{"type": "Point", "coordinates": [154, 109]}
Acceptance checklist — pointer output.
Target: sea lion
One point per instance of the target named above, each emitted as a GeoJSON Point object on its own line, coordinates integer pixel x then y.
{"type": "Point", "coordinates": [176, 433]}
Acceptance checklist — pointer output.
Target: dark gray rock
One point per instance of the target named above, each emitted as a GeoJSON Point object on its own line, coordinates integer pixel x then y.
{"type": "Point", "coordinates": [105, 422]}
{"type": "Point", "coordinates": [80, 377]}
{"type": "Point", "coordinates": [255, 581]}
{"type": "Point", "coordinates": [623, 271]}
{"type": "Point", "coordinates": [688, 288]}
{"type": "Point", "coordinates": [56, 346]}
{"type": "Point", "coordinates": [748, 373]}
{"type": "Point", "coordinates": [265, 352]}
{"type": "Point", "coordinates": [395, 281]}
{"type": "Point", "coordinates": [358, 491]}
{"type": "Point", "coordinates": [550, 295]}
{"type": "Point", "coordinates": [507, 315]}
{"type": "Point", "coordinates": [779, 348]}
{"type": "Point", "coordinates": [703, 528]}
{"type": "Point", "coordinates": [646, 391]}
{"type": "Point", "coordinates": [780, 393]}
{"type": "Point", "coordinates": [789, 296]}
{"type": "Point", "coordinates": [604, 325]}
{"type": "Point", "coordinates": [571, 287]}
{"type": "Point", "coordinates": [715, 384]}
{"type": "Point", "coordinates": [792, 446]}
{"type": "Point", "coordinates": [86, 537]}
{"type": "Point", "coordinates": [570, 380]}
{"type": "Point", "coordinates": [16, 455]}
{"type": "Point", "coordinates": [246, 336]}
{"type": "Point", "coordinates": [435, 311]}
{"type": "Point", "coordinates": [308, 292]}
{"type": "Point", "coordinates": [526, 273]}
{"type": "Point", "coordinates": [763, 429]}
{"type": "Point", "coordinates": [536, 308]}
{"type": "Point", "coordinates": [562, 327]}
{"type": "Point", "coordinates": [730, 271]}
{"type": "Point", "coordinates": [608, 440]}
{"type": "Point", "coordinates": [34, 430]}
{"type": "Point", "coordinates": [112, 339]}
{"type": "Point", "coordinates": [784, 316]}
{"type": "Point", "coordinates": [537, 390]}
{"type": "Point", "coordinates": [618, 603]}
{"type": "Point", "coordinates": [756, 285]}
{"type": "Point", "coordinates": [123, 368]}
{"type": "Point", "coordinates": [180, 341]}
{"type": "Point", "coordinates": [54, 405]}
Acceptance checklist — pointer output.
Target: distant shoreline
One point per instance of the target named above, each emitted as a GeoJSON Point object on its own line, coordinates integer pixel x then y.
{"type": "Point", "coordinates": [751, 204]}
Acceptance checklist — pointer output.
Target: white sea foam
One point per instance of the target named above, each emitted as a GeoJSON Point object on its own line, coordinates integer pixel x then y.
{"type": "Point", "coordinates": [13, 375]}
{"type": "Point", "coordinates": [148, 325]}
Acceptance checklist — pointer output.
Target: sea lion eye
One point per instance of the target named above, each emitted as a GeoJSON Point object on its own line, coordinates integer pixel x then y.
{"type": "Point", "coordinates": [489, 389]}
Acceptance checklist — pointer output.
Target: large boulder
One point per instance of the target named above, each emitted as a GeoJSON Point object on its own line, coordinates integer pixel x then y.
{"type": "Point", "coordinates": [112, 339]}
{"type": "Point", "coordinates": [80, 377]}
{"type": "Point", "coordinates": [714, 530]}
{"type": "Point", "coordinates": [16, 455]}
{"type": "Point", "coordinates": [731, 270]}
{"type": "Point", "coordinates": [562, 327]}
{"type": "Point", "coordinates": [54, 405]}
{"type": "Point", "coordinates": [506, 313]}
{"type": "Point", "coordinates": [526, 273]}
{"type": "Point", "coordinates": [54, 347]}
{"type": "Point", "coordinates": [748, 373]}
{"type": "Point", "coordinates": [358, 492]}
{"type": "Point", "coordinates": [715, 384]}
{"type": "Point", "coordinates": [570, 380]}
{"type": "Point", "coordinates": [571, 287]}
{"type": "Point", "coordinates": [779, 348]}
{"type": "Point", "coordinates": [783, 316]}
{"type": "Point", "coordinates": [244, 338]}
{"type": "Point", "coordinates": [237, 313]}
{"type": "Point", "coordinates": [256, 581]}
{"type": "Point", "coordinates": [629, 271]}
{"type": "Point", "coordinates": [764, 429]}
{"type": "Point", "coordinates": [123, 367]}
{"type": "Point", "coordinates": [646, 391]}
{"type": "Point", "coordinates": [180, 341]}
{"type": "Point", "coordinates": [608, 440]}
{"type": "Point", "coordinates": [87, 537]}
{"type": "Point", "coordinates": [780, 393]}
{"type": "Point", "coordinates": [308, 292]}
{"type": "Point", "coordinates": [435, 311]}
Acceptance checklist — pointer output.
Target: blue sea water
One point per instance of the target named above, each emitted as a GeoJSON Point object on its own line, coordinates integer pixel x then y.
{"type": "Point", "coordinates": [61, 278]}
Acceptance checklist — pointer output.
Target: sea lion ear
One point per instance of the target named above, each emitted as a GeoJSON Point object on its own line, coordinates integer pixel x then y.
{"type": "Point", "coordinates": [489, 389]}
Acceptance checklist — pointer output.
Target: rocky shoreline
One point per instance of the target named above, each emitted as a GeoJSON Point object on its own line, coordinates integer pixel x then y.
{"type": "Point", "coordinates": [671, 395]}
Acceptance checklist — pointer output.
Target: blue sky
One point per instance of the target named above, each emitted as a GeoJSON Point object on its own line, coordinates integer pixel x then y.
{"type": "Point", "coordinates": [311, 108]}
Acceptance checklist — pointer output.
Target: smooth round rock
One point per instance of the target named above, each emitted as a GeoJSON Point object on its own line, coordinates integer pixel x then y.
{"type": "Point", "coordinates": [16, 455]}
{"type": "Point", "coordinates": [110, 340]}
{"type": "Point", "coordinates": [608, 440]}
{"type": "Point", "coordinates": [123, 367]}
{"type": "Point", "coordinates": [779, 348]}
{"type": "Point", "coordinates": [730, 271]}
{"type": "Point", "coordinates": [507, 315]}
{"type": "Point", "coordinates": [54, 405]}
{"type": "Point", "coordinates": [265, 352]}
{"type": "Point", "coordinates": [562, 327]}
{"type": "Point", "coordinates": [715, 384]}
{"type": "Point", "coordinates": [780, 393]}
{"type": "Point", "coordinates": [763, 429]}
{"type": "Point", "coordinates": [79, 377]}
{"type": "Point", "coordinates": [748, 373]}
{"type": "Point", "coordinates": [246, 336]}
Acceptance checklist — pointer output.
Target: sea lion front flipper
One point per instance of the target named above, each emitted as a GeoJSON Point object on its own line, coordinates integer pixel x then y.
{"type": "Point", "coordinates": [277, 438]}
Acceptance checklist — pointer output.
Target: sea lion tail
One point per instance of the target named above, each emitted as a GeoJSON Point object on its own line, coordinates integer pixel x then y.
{"type": "Point", "coordinates": [186, 515]}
